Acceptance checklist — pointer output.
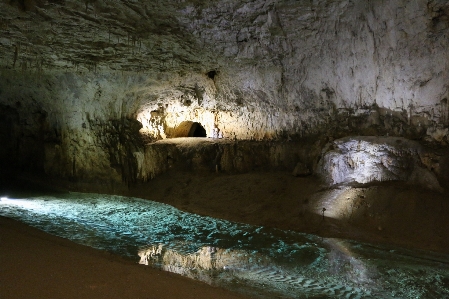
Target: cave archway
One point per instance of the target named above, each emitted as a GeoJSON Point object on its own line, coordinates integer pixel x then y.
{"type": "Point", "coordinates": [189, 129]}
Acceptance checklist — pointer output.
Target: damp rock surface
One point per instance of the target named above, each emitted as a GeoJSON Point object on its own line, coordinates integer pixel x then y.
{"type": "Point", "coordinates": [376, 159]}
{"type": "Point", "coordinates": [211, 155]}
{"type": "Point", "coordinates": [255, 70]}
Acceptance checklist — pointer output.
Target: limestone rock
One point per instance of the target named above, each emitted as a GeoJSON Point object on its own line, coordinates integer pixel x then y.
{"type": "Point", "coordinates": [255, 70]}
{"type": "Point", "coordinates": [370, 159]}
{"type": "Point", "coordinates": [207, 155]}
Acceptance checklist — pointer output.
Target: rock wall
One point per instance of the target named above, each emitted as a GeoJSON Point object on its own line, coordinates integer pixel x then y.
{"type": "Point", "coordinates": [303, 64]}
{"type": "Point", "coordinates": [211, 156]}
{"type": "Point", "coordinates": [69, 125]}
{"type": "Point", "coordinates": [75, 76]}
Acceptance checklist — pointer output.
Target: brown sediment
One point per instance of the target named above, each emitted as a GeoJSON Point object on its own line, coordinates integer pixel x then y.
{"type": "Point", "coordinates": [34, 264]}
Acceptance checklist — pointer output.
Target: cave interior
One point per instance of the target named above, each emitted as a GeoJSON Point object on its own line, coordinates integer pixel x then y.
{"type": "Point", "coordinates": [276, 113]}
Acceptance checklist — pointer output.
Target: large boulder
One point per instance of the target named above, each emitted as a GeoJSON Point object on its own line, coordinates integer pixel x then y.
{"type": "Point", "coordinates": [367, 159]}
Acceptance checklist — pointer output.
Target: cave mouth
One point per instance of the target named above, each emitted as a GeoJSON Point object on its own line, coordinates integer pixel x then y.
{"type": "Point", "coordinates": [199, 130]}
{"type": "Point", "coordinates": [190, 129]}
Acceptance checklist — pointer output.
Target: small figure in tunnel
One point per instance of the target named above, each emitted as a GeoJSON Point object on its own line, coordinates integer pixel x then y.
{"type": "Point", "coordinates": [213, 133]}
{"type": "Point", "coordinates": [216, 133]}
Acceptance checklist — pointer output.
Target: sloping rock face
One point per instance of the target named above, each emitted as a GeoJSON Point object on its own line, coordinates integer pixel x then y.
{"type": "Point", "coordinates": [212, 156]}
{"type": "Point", "coordinates": [79, 75]}
{"type": "Point", "coordinates": [70, 126]}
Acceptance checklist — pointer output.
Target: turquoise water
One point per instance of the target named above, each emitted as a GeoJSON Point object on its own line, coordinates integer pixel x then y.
{"type": "Point", "coordinates": [262, 262]}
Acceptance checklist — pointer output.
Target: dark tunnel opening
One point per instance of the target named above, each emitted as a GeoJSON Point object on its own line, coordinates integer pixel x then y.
{"type": "Point", "coordinates": [199, 130]}
{"type": "Point", "coordinates": [190, 129]}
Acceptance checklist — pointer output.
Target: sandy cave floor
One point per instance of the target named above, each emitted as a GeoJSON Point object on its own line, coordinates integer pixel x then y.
{"type": "Point", "coordinates": [36, 265]}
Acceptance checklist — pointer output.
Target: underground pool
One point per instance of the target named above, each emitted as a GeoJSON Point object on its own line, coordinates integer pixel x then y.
{"type": "Point", "coordinates": [258, 261]}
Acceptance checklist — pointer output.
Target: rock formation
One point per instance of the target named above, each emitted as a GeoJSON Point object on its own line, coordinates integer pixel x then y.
{"type": "Point", "coordinates": [368, 159]}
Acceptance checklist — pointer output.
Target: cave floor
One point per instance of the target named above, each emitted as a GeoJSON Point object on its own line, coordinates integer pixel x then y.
{"type": "Point", "coordinates": [393, 213]}
{"type": "Point", "coordinates": [35, 264]}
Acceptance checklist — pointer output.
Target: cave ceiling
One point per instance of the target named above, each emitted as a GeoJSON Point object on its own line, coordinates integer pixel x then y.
{"type": "Point", "coordinates": [285, 66]}
{"type": "Point", "coordinates": [117, 35]}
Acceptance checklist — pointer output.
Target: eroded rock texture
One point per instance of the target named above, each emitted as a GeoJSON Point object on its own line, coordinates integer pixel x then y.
{"type": "Point", "coordinates": [213, 156]}
{"type": "Point", "coordinates": [378, 159]}
{"type": "Point", "coordinates": [74, 76]}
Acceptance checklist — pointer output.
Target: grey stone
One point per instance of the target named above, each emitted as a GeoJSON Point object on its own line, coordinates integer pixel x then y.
{"type": "Point", "coordinates": [367, 159]}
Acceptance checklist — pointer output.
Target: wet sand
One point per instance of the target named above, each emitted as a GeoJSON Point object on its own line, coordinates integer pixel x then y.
{"type": "Point", "coordinates": [34, 264]}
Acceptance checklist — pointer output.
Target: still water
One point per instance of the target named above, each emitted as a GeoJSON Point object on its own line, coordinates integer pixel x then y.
{"type": "Point", "coordinates": [257, 261]}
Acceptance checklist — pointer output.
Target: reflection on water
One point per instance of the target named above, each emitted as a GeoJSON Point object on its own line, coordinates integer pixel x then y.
{"type": "Point", "coordinates": [211, 264]}
{"type": "Point", "coordinates": [263, 262]}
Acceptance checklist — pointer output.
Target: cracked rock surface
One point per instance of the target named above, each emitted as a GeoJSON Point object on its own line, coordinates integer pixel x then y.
{"type": "Point", "coordinates": [377, 159]}
{"type": "Point", "coordinates": [250, 69]}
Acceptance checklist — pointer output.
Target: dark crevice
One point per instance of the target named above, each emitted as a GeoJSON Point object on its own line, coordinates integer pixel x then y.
{"type": "Point", "coordinates": [199, 131]}
{"type": "Point", "coordinates": [212, 74]}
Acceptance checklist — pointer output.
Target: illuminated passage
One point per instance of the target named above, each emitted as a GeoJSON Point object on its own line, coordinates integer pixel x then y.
{"type": "Point", "coordinates": [264, 263]}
